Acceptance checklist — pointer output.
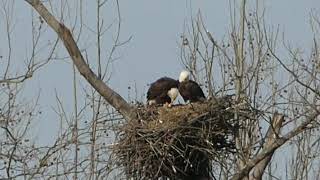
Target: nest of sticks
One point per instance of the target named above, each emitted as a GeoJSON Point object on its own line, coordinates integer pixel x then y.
{"type": "Point", "coordinates": [178, 142]}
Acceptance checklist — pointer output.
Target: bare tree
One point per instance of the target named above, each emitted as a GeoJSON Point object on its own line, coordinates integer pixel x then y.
{"type": "Point", "coordinates": [283, 90]}
{"type": "Point", "coordinates": [250, 63]}
{"type": "Point", "coordinates": [20, 155]}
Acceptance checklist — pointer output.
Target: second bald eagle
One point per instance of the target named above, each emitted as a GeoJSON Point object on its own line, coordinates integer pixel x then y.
{"type": "Point", "coordinates": [190, 90]}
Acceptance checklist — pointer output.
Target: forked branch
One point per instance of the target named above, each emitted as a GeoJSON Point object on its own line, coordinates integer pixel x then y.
{"type": "Point", "coordinates": [271, 136]}
{"type": "Point", "coordinates": [269, 150]}
{"type": "Point", "coordinates": [65, 35]}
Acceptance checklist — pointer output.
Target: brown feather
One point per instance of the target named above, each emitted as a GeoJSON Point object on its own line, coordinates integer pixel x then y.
{"type": "Point", "coordinates": [158, 90]}
{"type": "Point", "coordinates": [191, 91]}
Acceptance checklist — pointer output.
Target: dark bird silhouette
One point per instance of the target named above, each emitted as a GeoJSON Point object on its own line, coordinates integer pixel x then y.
{"type": "Point", "coordinates": [163, 91]}
{"type": "Point", "coordinates": [190, 90]}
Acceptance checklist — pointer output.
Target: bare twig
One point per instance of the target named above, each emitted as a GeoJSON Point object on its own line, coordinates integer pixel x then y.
{"type": "Point", "coordinates": [65, 35]}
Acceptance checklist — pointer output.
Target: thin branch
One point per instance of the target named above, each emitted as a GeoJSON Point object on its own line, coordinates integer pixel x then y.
{"type": "Point", "coordinates": [65, 35]}
{"type": "Point", "coordinates": [272, 134]}
{"type": "Point", "coordinates": [274, 146]}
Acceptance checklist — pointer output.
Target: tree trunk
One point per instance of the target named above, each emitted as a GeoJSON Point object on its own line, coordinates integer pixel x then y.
{"type": "Point", "coordinates": [113, 98]}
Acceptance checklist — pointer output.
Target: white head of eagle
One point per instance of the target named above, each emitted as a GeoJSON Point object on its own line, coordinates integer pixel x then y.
{"type": "Point", "coordinates": [173, 93]}
{"type": "Point", "coordinates": [184, 76]}
{"type": "Point", "coordinates": [163, 91]}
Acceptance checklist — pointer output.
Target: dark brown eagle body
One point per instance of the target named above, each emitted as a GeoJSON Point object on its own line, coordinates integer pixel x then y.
{"type": "Point", "coordinates": [158, 91]}
{"type": "Point", "coordinates": [191, 91]}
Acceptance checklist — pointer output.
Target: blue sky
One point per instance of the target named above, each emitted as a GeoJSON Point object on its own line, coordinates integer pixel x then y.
{"type": "Point", "coordinates": [155, 27]}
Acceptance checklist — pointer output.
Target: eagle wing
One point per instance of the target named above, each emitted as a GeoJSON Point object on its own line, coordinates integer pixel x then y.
{"type": "Point", "coordinates": [191, 90]}
{"type": "Point", "coordinates": [196, 89]}
{"type": "Point", "coordinates": [160, 88]}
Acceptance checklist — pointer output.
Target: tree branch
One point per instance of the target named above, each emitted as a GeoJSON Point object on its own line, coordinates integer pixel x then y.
{"type": "Point", "coordinates": [65, 35]}
{"type": "Point", "coordinates": [269, 150]}
{"type": "Point", "coordinates": [271, 136]}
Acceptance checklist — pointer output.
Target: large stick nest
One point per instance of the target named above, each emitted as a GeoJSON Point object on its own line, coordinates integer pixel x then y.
{"type": "Point", "coordinates": [177, 142]}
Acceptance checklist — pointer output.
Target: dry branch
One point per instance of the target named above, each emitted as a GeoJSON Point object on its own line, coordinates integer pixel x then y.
{"type": "Point", "coordinates": [65, 35]}
{"type": "Point", "coordinates": [272, 134]}
{"type": "Point", "coordinates": [269, 150]}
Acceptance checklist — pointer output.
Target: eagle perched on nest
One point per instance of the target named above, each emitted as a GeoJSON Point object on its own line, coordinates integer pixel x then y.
{"type": "Point", "coordinates": [165, 90]}
{"type": "Point", "coordinates": [180, 142]}
{"type": "Point", "coordinates": [190, 90]}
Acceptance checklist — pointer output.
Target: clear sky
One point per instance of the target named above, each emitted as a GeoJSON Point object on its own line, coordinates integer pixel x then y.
{"type": "Point", "coordinates": [155, 27]}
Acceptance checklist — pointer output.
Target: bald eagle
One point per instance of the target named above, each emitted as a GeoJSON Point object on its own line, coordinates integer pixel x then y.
{"type": "Point", "coordinates": [163, 91]}
{"type": "Point", "coordinates": [190, 90]}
